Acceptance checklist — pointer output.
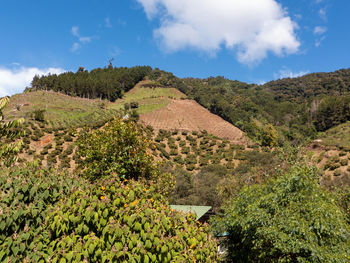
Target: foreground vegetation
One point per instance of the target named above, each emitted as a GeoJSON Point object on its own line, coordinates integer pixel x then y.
{"type": "Point", "coordinates": [98, 217]}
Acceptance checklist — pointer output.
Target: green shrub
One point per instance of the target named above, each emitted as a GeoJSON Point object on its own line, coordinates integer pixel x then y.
{"type": "Point", "coordinates": [59, 142]}
{"type": "Point", "coordinates": [190, 167]}
{"type": "Point", "coordinates": [174, 152]}
{"type": "Point", "coordinates": [26, 197]}
{"type": "Point", "coordinates": [185, 150]}
{"type": "Point", "coordinates": [124, 223]}
{"type": "Point", "coordinates": [344, 162]}
{"type": "Point", "coordinates": [67, 138]}
{"type": "Point", "coordinates": [182, 143]}
{"type": "Point", "coordinates": [173, 146]}
{"type": "Point", "coordinates": [30, 152]}
{"type": "Point", "coordinates": [337, 172]}
{"type": "Point", "coordinates": [203, 161]}
{"type": "Point", "coordinates": [48, 146]}
{"type": "Point", "coordinates": [342, 153]}
{"type": "Point", "coordinates": [44, 151]}
{"type": "Point", "coordinates": [179, 160]}
{"type": "Point", "coordinates": [118, 149]}
{"type": "Point", "coordinates": [240, 155]}
{"type": "Point", "coordinates": [38, 115]}
{"type": "Point", "coordinates": [289, 219]}
{"type": "Point", "coordinates": [331, 165]}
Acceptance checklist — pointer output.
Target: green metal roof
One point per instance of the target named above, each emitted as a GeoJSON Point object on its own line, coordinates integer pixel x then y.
{"type": "Point", "coordinates": [198, 210]}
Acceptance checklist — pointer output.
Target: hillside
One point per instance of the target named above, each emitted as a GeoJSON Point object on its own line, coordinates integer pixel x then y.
{"type": "Point", "coordinates": [189, 115]}
{"type": "Point", "coordinates": [310, 86]}
{"type": "Point", "coordinates": [107, 169]}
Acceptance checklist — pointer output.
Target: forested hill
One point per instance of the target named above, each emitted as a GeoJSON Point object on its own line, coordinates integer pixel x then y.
{"type": "Point", "coordinates": [310, 86]}
{"type": "Point", "coordinates": [292, 108]}
{"type": "Point", "coordinates": [297, 108]}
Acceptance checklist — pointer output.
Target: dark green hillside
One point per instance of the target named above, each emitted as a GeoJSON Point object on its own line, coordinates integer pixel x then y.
{"type": "Point", "coordinates": [297, 107]}
{"type": "Point", "coordinates": [310, 86]}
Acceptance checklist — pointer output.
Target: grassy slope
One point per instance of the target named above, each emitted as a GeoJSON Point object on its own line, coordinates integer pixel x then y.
{"type": "Point", "coordinates": [337, 136]}
{"type": "Point", "coordinates": [331, 153]}
{"type": "Point", "coordinates": [149, 99]}
{"type": "Point", "coordinates": [66, 111]}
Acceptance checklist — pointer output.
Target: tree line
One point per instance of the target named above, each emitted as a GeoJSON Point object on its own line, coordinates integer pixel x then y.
{"type": "Point", "coordinates": [104, 83]}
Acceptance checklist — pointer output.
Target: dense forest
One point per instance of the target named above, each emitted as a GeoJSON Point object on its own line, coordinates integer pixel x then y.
{"type": "Point", "coordinates": [107, 83]}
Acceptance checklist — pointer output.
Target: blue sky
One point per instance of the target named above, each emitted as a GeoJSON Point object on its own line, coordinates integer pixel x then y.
{"type": "Point", "coordinates": [253, 40]}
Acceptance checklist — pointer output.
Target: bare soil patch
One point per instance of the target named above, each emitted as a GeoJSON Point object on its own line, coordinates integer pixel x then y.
{"type": "Point", "coordinates": [189, 115]}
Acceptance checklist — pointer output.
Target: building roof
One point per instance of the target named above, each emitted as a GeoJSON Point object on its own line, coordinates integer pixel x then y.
{"type": "Point", "coordinates": [198, 210]}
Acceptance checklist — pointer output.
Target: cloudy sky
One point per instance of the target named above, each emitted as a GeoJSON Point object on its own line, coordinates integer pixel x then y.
{"type": "Point", "coordinates": [251, 40]}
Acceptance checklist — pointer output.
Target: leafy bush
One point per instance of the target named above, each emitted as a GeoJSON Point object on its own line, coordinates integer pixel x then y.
{"type": "Point", "coordinates": [185, 150]}
{"type": "Point", "coordinates": [331, 165]}
{"type": "Point", "coordinates": [26, 197]}
{"type": "Point", "coordinates": [119, 148]}
{"type": "Point", "coordinates": [38, 115]}
{"type": "Point", "coordinates": [44, 151]}
{"type": "Point", "coordinates": [179, 160]}
{"type": "Point", "coordinates": [119, 222]}
{"type": "Point", "coordinates": [344, 162]}
{"type": "Point", "coordinates": [67, 138]}
{"type": "Point", "coordinates": [289, 219]}
{"type": "Point", "coordinates": [337, 172]}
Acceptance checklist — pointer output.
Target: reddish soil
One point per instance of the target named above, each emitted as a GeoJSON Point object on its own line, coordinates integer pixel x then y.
{"type": "Point", "coordinates": [45, 140]}
{"type": "Point", "coordinates": [189, 115]}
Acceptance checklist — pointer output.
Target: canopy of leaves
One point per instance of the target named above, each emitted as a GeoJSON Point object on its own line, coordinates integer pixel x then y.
{"type": "Point", "coordinates": [289, 219]}
{"type": "Point", "coordinates": [118, 148]}
{"type": "Point", "coordinates": [26, 196]}
{"type": "Point", "coordinates": [124, 222]}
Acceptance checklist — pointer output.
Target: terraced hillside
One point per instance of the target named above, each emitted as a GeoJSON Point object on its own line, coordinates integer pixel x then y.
{"type": "Point", "coordinates": [331, 153]}
{"type": "Point", "coordinates": [189, 115]}
{"type": "Point", "coordinates": [183, 132]}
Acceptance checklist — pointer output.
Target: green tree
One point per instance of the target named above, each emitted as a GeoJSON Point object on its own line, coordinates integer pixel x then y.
{"type": "Point", "coordinates": [119, 148]}
{"type": "Point", "coordinates": [8, 151]}
{"type": "Point", "coordinates": [268, 136]}
{"type": "Point", "coordinates": [289, 219]}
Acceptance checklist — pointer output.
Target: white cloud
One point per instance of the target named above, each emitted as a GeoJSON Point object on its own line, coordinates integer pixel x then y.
{"type": "Point", "coordinates": [75, 31]}
{"type": "Point", "coordinates": [320, 30]}
{"type": "Point", "coordinates": [81, 39]}
{"type": "Point", "coordinates": [75, 47]}
{"type": "Point", "coordinates": [323, 13]}
{"type": "Point", "coordinates": [319, 41]}
{"type": "Point", "coordinates": [252, 28]}
{"type": "Point", "coordinates": [14, 80]}
{"type": "Point", "coordinates": [108, 22]}
{"type": "Point", "coordinates": [287, 73]}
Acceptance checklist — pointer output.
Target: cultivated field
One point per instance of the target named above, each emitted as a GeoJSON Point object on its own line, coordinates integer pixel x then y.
{"type": "Point", "coordinates": [189, 115]}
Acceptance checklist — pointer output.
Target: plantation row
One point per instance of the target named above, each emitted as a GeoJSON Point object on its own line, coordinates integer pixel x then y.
{"type": "Point", "coordinates": [196, 149]}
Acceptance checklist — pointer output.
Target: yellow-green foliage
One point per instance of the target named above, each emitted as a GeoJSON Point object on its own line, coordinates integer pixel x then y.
{"type": "Point", "coordinates": [119, 148]}
{"type": "Point", "coordinates": [124, 222]}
